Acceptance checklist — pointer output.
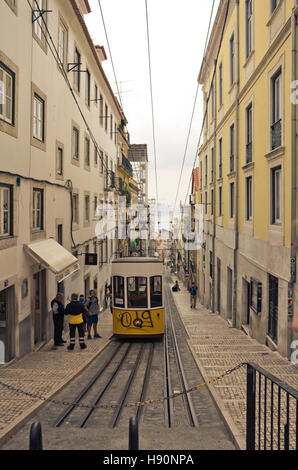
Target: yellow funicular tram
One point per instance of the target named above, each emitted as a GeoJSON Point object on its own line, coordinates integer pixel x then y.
{"type": "Point", "coordinates": [137, 297]}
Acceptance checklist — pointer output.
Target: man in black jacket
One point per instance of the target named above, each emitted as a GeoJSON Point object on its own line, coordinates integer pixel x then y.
{"type": "Point", "coordinates": [75, 310]}
{"type": "Point", "coordinates": [58, 319]}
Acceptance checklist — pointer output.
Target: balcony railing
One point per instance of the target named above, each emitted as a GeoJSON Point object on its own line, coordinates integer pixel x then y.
{"type": "Point", "coordinates": [276, 135]}
{"type": "Point", "coordinates": [126, 164]}
{"type": "Point", "coordinates": [110, 180]}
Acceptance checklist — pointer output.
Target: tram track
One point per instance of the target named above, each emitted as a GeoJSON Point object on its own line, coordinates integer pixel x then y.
{"type": "Point", "coordinates": [171, 343]}
{"type": "Point", "coordinates": [126, 374]}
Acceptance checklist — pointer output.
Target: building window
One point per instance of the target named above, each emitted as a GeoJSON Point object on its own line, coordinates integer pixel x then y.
{"type": "Point", "coordinates": [212, 165]}
{"type": "Point", "coordinates": [87, 208]}
{"type": "Point", "coordinates": [37, 209]}
{"type": "Point", "coordinates": [6, 211]}
{"type": "Point", "coordinates": [274, 4]}
{"type": "Point", "coordinates": [60, 161]}
{"type": "Point", "coordinates": [75, 208]}
{"type": "Point", "coordinates": [77, 72]}
{"type": "Point", "coordinates": [95, 94]}
{"type": "Point", "coordinates": [39, 28]}
{"type": "Point", "coordinates": [211, 264]}
{"type": "Point", "coordinates": [249, 198]}
{"type": "Point", "coordinates": [207, 113]}
{"type": "Point", "coordinates": [88, 88]}
{"type": "Point", "coordinates": [220, 201]}
{"type": "Point", "coordinates": [87, 151]}
{"type": "Point", "coordinates": [38, 117]}
{"type": "Point", "coordinates": [232, 59]}
{"type": "Point", "coordinates": [206, 203]}
{"type": "Point", "coordinates": [106, 117]}
{"type": "Point", "coordinates": [7, 94]}
{"type": "Point", "coordinates": [62, 44]}
{"type": "Point", "coordinates": [111, 126]}
{"type": "Point", "coordinates": [248, 27]}
{"type": "Point", "coordinates": [101, 161]}
{"type": "Point", "coordinates": [201, 174]}
{"type": "Point", "coordinates": [276, 195]}
{"type": "Point", "coordinates": [101, 109]}
{"type": "Point", "coordinates": [276, 111]}
{"type": "Point", "coordinates": [232, 147]}
{"type": "Point", "coordinates": [212, 201]}
{"type": "Point", "coordinates": [220, 158]}
{"type": "Point", "coordinates": [220, 85]}
{"type": "Point", "coordinates": [206, 170]}
{"type": "Point", "coordinates": [232, 200]}
{"type": "Point", "coordinates": [249, 133]}
{"type": "Point", "coordinates": [76, 142]}
{"type": "Point", "coordinates": [212, 100]}
{"type": "Point", "coordinates": [115, 133]}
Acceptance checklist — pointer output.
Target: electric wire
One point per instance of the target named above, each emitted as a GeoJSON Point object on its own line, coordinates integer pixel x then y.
{"type": "Point", "coordinates": [111, 57]}
{"type": "Point", "coordinates": [205, 114]}
{"type": "Point", "coordinates": [151, 94]}
{"type": "Point", "coordinates": [55, 54]}
{"type": "Point", "coordinates": [193, 111]}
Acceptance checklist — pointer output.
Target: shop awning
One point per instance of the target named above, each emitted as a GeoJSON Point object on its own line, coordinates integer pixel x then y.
{"type": "Point", "coordinates": [53, 256]}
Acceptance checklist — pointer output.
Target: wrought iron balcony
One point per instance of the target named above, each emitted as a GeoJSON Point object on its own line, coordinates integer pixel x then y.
{"type": "Point", "coordinates": [125, 163]}
{"type": "Point", "coordinates": [110, 180]}
{"type": "Point", "coordinates": [276, 135]}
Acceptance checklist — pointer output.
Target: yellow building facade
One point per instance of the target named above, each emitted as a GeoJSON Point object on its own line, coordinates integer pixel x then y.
{"type": "Point", "coordinates": [247, 169]}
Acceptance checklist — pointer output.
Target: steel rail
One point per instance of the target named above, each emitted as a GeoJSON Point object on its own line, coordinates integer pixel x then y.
{"type": "Point", "coordinates": [169, 409]}
{"type": "Point", "coordinates": [187, 398]}
{"type": "Point", "coordinates": [86, 388]}
{"type": "Point", "coordinates": [131, 377]}
{"type": "Point", "coordinates": [140, 410]}
{"type": "Point", "coordinates": [105, 388]}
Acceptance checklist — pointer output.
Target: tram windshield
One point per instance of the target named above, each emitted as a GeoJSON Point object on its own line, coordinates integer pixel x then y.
{"type": "Point", "coordinates": [155, 291]}
{"type": "Point", "coordinates": [118, 291]}
{"type": "Point", "coordinates": [137, 292]}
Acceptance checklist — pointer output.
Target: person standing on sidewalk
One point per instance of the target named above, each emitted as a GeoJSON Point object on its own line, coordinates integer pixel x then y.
{"type": "Point", "coordinates": [92, 309]}
{"type": "Point", "coordinates": [75, 311]}
{"type": "Point", "coordinates": [193, 295]}
{"type": "Point", "coordinates": [58, 319]}
{"type": "Point", "coordinates": [83, 301]}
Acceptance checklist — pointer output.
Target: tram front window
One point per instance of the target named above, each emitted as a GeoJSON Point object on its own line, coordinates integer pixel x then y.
{"type": "Point", "coordinates": [155, 291]}
{"type": "Point", "coordinates": [137, 292]}
{"type": "Point", "coordinates": [118, 291]}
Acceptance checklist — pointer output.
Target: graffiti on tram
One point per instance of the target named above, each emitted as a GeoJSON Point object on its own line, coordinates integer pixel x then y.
{"type": "Point", "coordinates": [136, 319]}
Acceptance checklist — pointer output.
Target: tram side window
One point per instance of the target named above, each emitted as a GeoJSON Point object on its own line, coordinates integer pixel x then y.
{"type": "Point", "coordinates": [137, 292]}
{"type": "Point", "coordinates": [156, 291]}
{"type": "Point", "coordinates": [119, 291]}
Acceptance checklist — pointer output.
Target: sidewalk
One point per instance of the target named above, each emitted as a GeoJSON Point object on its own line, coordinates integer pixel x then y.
{"type": "Point", "coordinates": [218, 347]}
{"type": "Point", "coordinates": [45, 373]}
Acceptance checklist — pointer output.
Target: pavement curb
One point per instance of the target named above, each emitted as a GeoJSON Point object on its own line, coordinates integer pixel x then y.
{"type": "Point", "coordinates": [19, 422]}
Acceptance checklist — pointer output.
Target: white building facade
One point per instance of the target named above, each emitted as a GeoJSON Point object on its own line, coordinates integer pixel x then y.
{"type": "Point", "coordinates": [58, 158]}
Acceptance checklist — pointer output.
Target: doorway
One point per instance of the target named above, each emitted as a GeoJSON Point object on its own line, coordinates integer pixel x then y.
{"type": "Point", "coordinates": [229, 292]}
{"type": "Point", "coordinates": [218, 284]}
{"type": "Point", "coordinates": [245, 302]}
{"type": "Point", "coordinates": [39, 306]}
{"type": "Point", "coordinates": [273, 308]}
{"type": "Point", "coordinates": [7, 323]}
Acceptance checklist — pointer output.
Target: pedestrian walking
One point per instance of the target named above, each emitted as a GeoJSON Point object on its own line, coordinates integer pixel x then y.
{"type": "Point", "coordinates": [58, 319]}
{"type": "Point", "coordinates": [75, 311]}
{"type": "Point", "coordinates": [82, 301]}
{"type": "Point", "coordinates": [193, 295]}
{"type": "Point", "coordinates": [92, 308]}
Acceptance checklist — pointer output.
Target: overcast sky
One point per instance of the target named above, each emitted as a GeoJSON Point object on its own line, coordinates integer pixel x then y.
{"type": "Point", "coordinates": [177, 32]}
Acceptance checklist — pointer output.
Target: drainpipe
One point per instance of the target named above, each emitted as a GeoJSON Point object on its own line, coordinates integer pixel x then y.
{"type": "Point", "coordinates": [293, 182]}
{"type": "Point", "coordinates": [234, 308]}
{"type": "Point", "coordinates": [214, 191]}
